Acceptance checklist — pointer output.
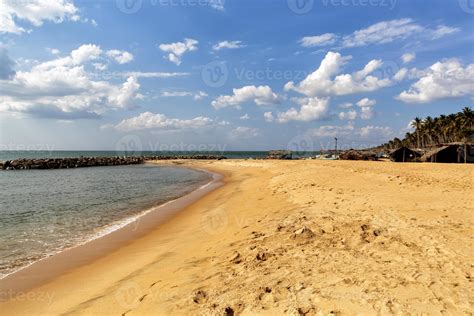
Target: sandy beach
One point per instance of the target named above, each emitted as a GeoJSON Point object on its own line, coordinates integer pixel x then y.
{"type": "Point", "coordinates": [290, 237]}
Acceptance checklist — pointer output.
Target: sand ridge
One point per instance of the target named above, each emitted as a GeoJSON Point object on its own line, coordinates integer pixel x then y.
{"type": "Point", "coordinates": [293, 237]}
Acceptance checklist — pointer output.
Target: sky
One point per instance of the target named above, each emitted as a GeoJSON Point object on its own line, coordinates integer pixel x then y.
{"type": "Point", "coordinates": [228, 75]}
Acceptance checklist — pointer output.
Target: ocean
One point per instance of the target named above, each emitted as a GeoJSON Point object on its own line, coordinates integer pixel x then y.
{"type": "Point", "coordinates": [10, 155]}
{"type": "Point", "coordinates": [45, 211]}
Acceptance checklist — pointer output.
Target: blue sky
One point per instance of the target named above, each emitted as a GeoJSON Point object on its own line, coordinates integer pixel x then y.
{"type": "Point", "coordinates": [233, 75]}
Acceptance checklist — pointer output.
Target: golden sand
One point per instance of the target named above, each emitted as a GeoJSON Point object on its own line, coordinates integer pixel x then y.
{"type": "Point", "coordinates": [291, 237]}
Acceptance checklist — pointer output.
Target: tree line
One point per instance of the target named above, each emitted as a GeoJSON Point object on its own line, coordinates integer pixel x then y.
{"type": "Point", "coordinates": [456, 127]}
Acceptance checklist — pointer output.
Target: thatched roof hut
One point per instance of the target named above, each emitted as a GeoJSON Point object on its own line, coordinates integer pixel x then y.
{"type": "Point", "coordinates": [451, 153]}
{"type": "Point", "coordinates": [404, 154]}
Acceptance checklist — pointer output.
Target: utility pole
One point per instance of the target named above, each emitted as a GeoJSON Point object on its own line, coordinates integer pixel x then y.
{"type": "Point", "coordinates": [335, 151]}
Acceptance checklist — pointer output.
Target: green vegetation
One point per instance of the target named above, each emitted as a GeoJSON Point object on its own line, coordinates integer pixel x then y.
{"type": "Point", "coordinates": [458, 127]}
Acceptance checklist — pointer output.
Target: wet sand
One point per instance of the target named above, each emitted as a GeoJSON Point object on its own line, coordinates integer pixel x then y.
{"type": "Point", "coordinates": [290, 237]}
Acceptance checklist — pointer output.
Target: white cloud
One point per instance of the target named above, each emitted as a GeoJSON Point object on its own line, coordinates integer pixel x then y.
{"type": "Point", "coordinates": [401, 74]}
{"type": "Point", "coordinates": [311, 109]}
{"type": "Point", "coordinates": [217, 4]}
{"type": "Point", "coordinates": [99, 66]}
{"type": "Point", "coordinates": [366, 102]}
{"type": "Point", "coordinates": [442, 31]}
{"type": "Point", "coordinates": [196, 96]}
{"type": "Point", "coordinates": [408, 58]}
{"type": "Point", "coordinates": [446, 79]}
{"type": "Point", "coordinates": [394, 30]}
{"type": "Point", "coordinates": [228, 45]}
{"type": "Point", "coordinates": [140, 74]}
{"type": "Point", "coordinates": [245, 132]}
{"type": "Point", "coordinates": [326, 80]}
{"type": "Point", "coordinates": [366, 108]}
{"type": "Point", "coordinates": [382, 32]}
{"type": "Point", "coordinates": [62, 88]}
{"type": "Point", "coordinates": [349, 133]}
{"type": "Point", "coordinates": [268, 116]}
{"type": "Point", "coordinates": [35, 13]}
{"type": "Point", "coordinates": [346, 105]}
{"type": "Point", "coordinates": [120, 56]}
{"type": "Point", "coordinates": [200, 95]}
{"type": "Point", "coordinates": [245, 117]}
{"type": "Point", "coordinates": [332, 131]}
{"type": "Point", "coordinates": [319, 40]}
{"type": "Point", "coordinates": [148, 120]}
{"type": "Point", "coordinates": [178, 49]}
{"type": "Point", "coordinates": [368, 131]}
{"type": "Point", "coordinates": [168, 94]}
{"type": "Point", "coordinates": [53, 51]}
{"type": "Point", "coordinates": [262, 95]}
{"type": "Point", "coordinates": [348, 116]}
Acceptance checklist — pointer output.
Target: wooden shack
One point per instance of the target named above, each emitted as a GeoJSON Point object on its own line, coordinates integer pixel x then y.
{"type": "Point", "coordinates": [451, 153]}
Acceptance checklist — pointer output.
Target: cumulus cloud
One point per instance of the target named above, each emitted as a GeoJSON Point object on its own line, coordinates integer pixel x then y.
{"type": "Point", "coordinates": [268, 116]}
{"type": "Point", "coordinates": [348, 116]}
{"type": "Point", "coordinates": [311, 109]}
{"type": "Point", "coordinates": [261, 95]}
{"type": "Point", "coordinates": [178, 49]}
{"type": "Point", "coordinates": [319, 40]}
{"type": "Point", "coordinates": [445, 79]}
{"type": "Point", "coordinates": [366, 108]}
{"type": "Point", "coordinates": [408, 58]}
{"type": "Point", "coordinates": [228, 45]}
{"type": "Point", "coordinates": [34, 13]}
{"type": "Point", "coordinates": [120, 56]}
{"type": "Point", "coordinates": [245, 117]}
{"type": "Point", "coordinates": [327, 80]}
{"type": "Point", "coordinates": [152, 121]}
{"type": "Point", "coordinates": [62, 87]}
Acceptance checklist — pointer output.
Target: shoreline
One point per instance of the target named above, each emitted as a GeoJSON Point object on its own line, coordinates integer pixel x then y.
{"type": "Point", "coordinates": [54, 265]}
{"type": "Point", "coordinates": [289, 237]}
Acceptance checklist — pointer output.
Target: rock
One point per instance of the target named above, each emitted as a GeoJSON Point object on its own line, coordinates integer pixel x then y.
{"type": "Point", "coordinates": [280, 155]}
{"type": "Point", "coordinates": [236, 258]}
{"type": "Point", "coordinates": [303, 233]}
{"type": "Point", "coordinates": [200, 297]}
